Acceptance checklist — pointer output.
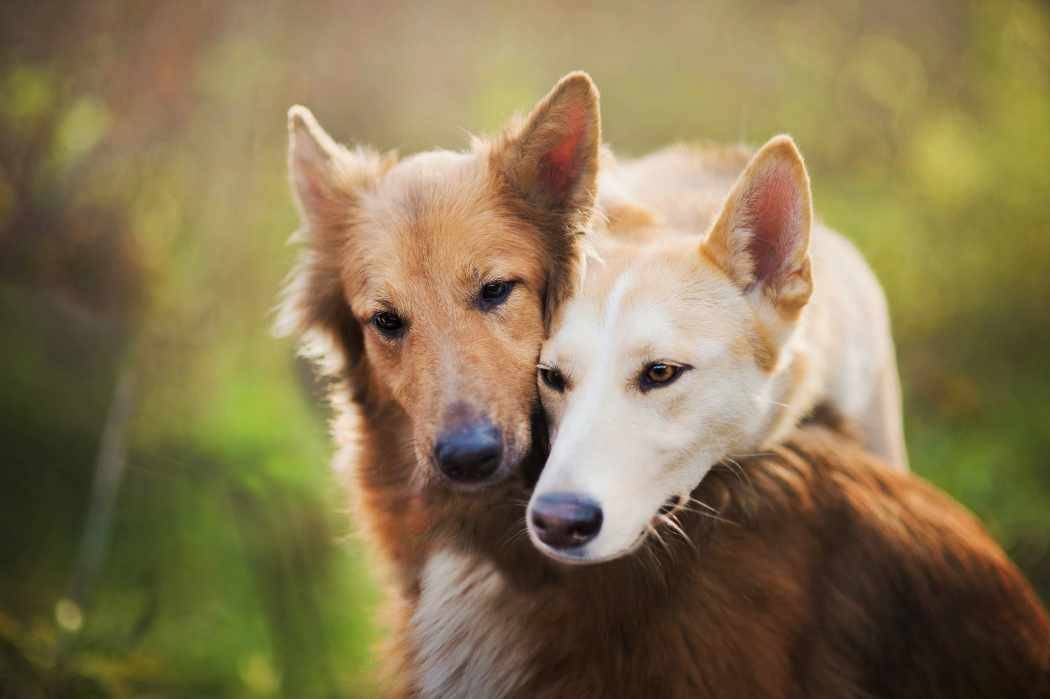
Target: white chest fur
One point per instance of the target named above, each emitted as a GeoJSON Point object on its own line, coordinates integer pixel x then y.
{"type": "Point", "coordinates": [467, 636]}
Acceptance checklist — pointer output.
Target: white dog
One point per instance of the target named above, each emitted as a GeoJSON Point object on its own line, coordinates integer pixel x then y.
{"type": "Point", "coordinates": [679, 353]}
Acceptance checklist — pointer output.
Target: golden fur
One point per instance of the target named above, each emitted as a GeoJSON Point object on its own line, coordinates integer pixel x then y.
{"type": "Point", "coordinates": [418, 237]}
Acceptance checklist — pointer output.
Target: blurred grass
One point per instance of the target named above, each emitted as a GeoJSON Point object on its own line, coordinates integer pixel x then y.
{"type": "Point", "coordinates": [143, 214]}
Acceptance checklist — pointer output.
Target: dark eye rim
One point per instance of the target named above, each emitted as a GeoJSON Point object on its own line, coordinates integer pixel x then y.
{"type": "Point", "coordinates": [394, 328]}
{"type": "Point", "coordinates": [552, 377]}
{"type": "Point", "coordinates": [646, 384]}
{"type": "Point", "coordinates": [495, 292]}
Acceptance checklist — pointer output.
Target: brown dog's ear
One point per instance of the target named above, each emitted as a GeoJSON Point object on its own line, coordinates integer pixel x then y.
{"type": "Point", "coordinates": [323, 173]}
{"type": "Point", "coordinates": [550, 167]}
{"type": "Point", "coordinates": [326, 179]}
{"type": "Point", "coordinates": [761, 237]}
{"type": "Point", "coordinates": [552, 161]}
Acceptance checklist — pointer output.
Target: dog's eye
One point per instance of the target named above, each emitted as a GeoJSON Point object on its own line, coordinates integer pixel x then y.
{"type": "Point", "coordinates": [660, 374]}
{"type": "Point", "coordinates": [552, 378]}
{"type": "Point", "coordinates": [388, 323]}
{"type": "Point", "coordinates": [494, 293]}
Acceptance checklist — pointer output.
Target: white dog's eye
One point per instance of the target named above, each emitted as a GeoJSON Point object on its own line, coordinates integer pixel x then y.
{"type": "Point", "coordinates": [660, 374]}
{"type": "Point", "coordinates": [551, 377]}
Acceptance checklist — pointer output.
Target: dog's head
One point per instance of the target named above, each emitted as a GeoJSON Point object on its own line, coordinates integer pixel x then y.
{"type": "Point", "coordinates": [427, 283]}
{"type": "Point", "coordinates": [668, 361]}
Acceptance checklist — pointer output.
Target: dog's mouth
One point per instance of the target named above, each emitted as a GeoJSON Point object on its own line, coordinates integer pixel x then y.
{"type": "Point", "coordinates": [664, 516]}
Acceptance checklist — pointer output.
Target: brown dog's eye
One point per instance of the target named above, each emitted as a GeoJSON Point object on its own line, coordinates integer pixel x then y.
{"type": "Point", "coordinates": [494, 293]}
{"type": "Point", "coordinates": [660, 374]}
{"type": "Point", "coordinates": [552, 378]}
{"type": "Point", "coordinates": [388, 323]}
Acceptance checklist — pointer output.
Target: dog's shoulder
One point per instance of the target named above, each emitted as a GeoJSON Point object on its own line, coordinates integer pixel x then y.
{"type": "Point", "coordinates": [909, 588]}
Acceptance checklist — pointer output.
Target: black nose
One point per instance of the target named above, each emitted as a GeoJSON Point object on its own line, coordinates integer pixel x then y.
{"type": "Point", "coordinates": [566, 520]}
{"type": "Point", "coordinates": [470, 453]}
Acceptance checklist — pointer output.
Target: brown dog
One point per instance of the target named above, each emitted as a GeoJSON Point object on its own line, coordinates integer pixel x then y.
{"type": "Point", "coordinates": [424, 292]}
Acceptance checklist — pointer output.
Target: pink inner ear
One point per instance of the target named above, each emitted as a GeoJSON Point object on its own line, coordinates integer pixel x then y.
{"type": "Point", "coordinates": [560, 166]}
{"type": "Point", "coordinates": [312, 189]}
{"type": "Point", "coordinates": [772, 209]}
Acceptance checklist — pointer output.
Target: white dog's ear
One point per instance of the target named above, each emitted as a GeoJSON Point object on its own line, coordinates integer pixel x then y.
{"type": "Point", "coordinates": [761, 237]}
{"type": "Point", "coordinates": [552, 161]}
{"type": "Point", "coordinates": [325, 175]}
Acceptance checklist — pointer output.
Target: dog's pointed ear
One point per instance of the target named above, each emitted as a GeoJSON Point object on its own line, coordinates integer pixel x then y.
{"type": "Point", "coordinates": [761, 237]}
{"type": "Point", "coordinates": [326, 180]}
{"type": "Point", "coordinates": [313, 163]}
{"type": "Point", "coordinates": [325, 175]}
{"type": "Point", "coordinates": [552, 160]}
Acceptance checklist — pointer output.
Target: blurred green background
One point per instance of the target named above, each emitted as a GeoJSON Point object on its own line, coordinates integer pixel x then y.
{"type": "Point", "coordinates": [143, 219]}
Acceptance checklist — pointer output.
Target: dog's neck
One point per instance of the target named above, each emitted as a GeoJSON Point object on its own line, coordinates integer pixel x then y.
{"type": "Point", "coordinates": [796, 388]}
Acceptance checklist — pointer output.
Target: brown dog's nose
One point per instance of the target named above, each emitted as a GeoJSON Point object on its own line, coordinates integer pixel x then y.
{"type": "Point", "coordinates": [470, 453]}
{"type": "Point", "coordinates": [566, 520]}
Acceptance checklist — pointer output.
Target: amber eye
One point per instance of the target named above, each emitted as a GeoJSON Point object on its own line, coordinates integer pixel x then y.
{"type": "Point", "coordinates": [552, 378]}
{"type": "Point", "coordinates": [660, 374]}
{"type": "Point", "coordinates": [388, 323]}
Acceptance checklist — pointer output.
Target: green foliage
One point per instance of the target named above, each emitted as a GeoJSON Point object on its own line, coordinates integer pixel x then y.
{"type": "Point", "coordinates": [143, 218]}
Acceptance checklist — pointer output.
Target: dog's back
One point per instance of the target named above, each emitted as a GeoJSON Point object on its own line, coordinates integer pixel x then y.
{"type": "Point", "coordinates": [684, 185]}
{"type": "Point", "coordinates": [823, 574]}
{"type": "Point", "coordinates": [907, 594]}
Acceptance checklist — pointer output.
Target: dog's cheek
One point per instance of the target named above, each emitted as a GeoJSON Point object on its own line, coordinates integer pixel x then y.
{"type": "Point", "coordinates": [391, 374]}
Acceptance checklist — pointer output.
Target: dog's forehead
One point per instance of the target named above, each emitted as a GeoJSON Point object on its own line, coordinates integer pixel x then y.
{"type": "Point", "coordinates": [580, 321]}
{"type": "Point", "coordinates": [665, 303]}
{"type": "Point", "coordinates": [436, 222]}
{"type": "Point", "coordinates": [437, 188]}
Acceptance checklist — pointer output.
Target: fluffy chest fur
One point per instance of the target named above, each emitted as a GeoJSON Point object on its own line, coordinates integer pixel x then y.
{"type": "Point", "coordinates": [468, 640]}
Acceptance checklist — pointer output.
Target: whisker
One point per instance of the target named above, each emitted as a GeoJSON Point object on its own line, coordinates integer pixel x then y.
{"type": "Point", "coordinates": [701, 503]}
{"type": "Point", "coordinates": [717, 518]}
{"type": "Point", "coordinates": [675, 525]}
{"type": "Point", "coordinates": [712, 512]}
{"type": "Point", "coordinates": [513, 503]}
{"type": "Point", "coordinates": [657, 570]}
{"type": "Point", "coordinates": [514, 537]}
{"type": "Point", "coordinates": [772, 402]}
{"type": "Point", "coordinates": [736, 469]}
{"type": "Point", "coordinates": [663, 542]}
{"type": "Point", "coordinates": [728, 467]}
